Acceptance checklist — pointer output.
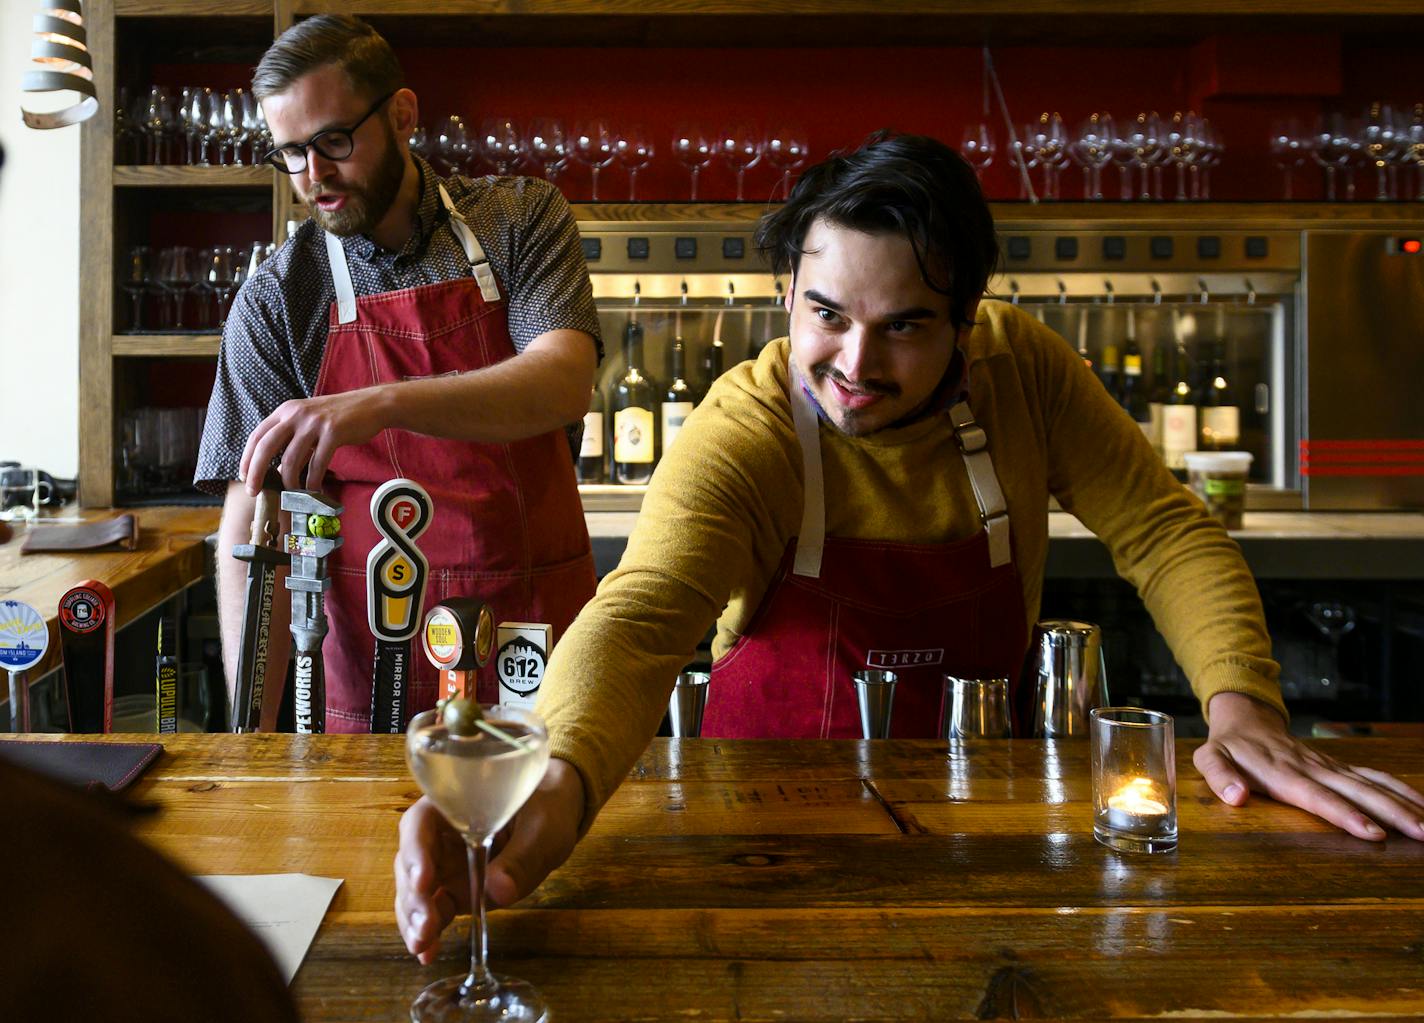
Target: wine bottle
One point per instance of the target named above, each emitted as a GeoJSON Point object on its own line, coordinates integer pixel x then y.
{"type": "Point", "coordinates": [1220, 415]}
{"type": "Point", "coordinates": [678, 399]}
{"type": "Point", "coordinates": [1110, 369]}
{"type": "Point", "coordinates": [1157, 397]}
{"type": "Point", "coordinates": [714, 363]}
{"type": "Point", "coordinates": [1179, 419]}
{"type": "Point", "coordinates": [592, 468]}
{"type": "Point", "coordinates": [1133, 394]}
{"type": "Point", "coordinates": [634, 422]}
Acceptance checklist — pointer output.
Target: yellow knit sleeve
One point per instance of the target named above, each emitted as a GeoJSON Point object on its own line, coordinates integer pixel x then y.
{"type": "Point", "coordinates": [1188, 571]}
{"type": "Point", "coordinates": [722, 501]}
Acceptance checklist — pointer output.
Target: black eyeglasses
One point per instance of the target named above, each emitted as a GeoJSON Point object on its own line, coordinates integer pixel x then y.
{"type": "Point", "coordinates": [332, 144]}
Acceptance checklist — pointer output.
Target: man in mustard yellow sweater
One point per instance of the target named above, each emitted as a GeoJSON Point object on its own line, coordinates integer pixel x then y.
{"type": "Point", "coordinates": [878, 484]}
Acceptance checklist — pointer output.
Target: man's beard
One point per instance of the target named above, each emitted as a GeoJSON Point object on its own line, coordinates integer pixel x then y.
{"type": "Point", "coordinates": [851, 422]}
{"type": "Point", "coordinates": [366, 204]}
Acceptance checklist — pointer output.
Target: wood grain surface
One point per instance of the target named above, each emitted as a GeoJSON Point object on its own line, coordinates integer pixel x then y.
{"type": "Point", "coordinates": [169, 558]}
{"type": "Point", "coordinates": [838, 880]}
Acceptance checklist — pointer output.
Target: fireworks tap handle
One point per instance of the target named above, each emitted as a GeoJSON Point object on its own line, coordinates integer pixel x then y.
{"type": "Point", "coordinates": [316, 529]}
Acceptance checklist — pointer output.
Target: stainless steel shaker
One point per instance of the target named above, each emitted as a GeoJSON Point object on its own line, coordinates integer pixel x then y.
{"type": "Point", "coordinates": [1071, 677]}
{"type": "Point", "coordinates": [875, 692]}
{"type": "Point", "coordinates": [975, 708]}
{"type": "Point", "coordinates": [689, 700]}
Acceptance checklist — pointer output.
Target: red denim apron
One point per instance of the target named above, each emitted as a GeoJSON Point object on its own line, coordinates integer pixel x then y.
{"type": "Point", "coordinates": [837, 606]}
{"type": "Point", "coordinates": [508, 527]}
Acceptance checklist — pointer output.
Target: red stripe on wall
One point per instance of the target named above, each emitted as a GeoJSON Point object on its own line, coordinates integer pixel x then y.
{"type": "Point", "coordinates": [1307, 446]}
{"type": "Point", "coordinates": [1362, 470]}
{"type": "Point", "coordinates": [1337, 457]}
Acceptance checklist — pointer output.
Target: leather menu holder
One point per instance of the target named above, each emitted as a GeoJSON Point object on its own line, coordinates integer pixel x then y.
{"type": "Point", "coordinates": [114, 765]}
{"type": "Point", "coordinates": [87, 536]}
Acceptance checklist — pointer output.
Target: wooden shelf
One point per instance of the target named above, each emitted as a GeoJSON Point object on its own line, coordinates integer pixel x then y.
{"type": "Point", "coordinates": [166, 345]}
{"type": "Point", "coordinates": [192, 8]}
{"type": "Point", "coordinates": [143, 176]}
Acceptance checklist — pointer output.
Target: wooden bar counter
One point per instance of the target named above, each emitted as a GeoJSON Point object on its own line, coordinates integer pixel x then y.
{"type": "Point", "coordinates": [839, 880]}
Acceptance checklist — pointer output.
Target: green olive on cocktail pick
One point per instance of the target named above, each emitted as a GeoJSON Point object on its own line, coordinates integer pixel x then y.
{"type": "Point", "coordinates": [461, 717]}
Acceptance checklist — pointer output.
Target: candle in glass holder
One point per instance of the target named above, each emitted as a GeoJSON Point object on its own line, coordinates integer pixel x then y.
{"type": "Point", "coordinates": [1134, 779]}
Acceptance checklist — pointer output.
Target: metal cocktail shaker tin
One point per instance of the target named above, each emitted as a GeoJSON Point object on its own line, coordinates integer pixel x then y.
{"type": "Point", "coordinates": [688, 701]}
{"type": "Point", "coordinates": [975, 708]}
{"type": "Point", "coordinates": [875, 692]}
{"type": "Point", "coordinates": [1071, 677]}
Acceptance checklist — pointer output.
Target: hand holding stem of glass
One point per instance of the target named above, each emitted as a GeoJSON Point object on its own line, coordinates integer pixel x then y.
{"type": "Point", "coordinates": [478, 781]}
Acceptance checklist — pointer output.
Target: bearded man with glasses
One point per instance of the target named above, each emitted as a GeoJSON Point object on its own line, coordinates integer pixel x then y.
{"type": "Point", "coordinates": [437, 329]}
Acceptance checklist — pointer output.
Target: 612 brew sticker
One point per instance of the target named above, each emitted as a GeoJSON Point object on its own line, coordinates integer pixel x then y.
{"type": "Point", "coordinates": [523, 656]}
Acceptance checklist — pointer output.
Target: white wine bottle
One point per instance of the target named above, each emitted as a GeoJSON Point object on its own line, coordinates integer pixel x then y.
{"type": "Point", "coordinates": [634, 419]}
{"type": "Point", "coordinates": [592, 466]}
{"type": "Point", "coordinates": [678, 399]}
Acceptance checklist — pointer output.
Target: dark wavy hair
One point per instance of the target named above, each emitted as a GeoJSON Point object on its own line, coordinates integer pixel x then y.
{"type": "Point", "coordinates": [910, 184]}
{"type": "Point", "coordinates": [358, 49]}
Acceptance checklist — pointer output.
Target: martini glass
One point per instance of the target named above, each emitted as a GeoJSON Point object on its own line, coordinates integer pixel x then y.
{"type": "Point", "coordinates": [478, 782]}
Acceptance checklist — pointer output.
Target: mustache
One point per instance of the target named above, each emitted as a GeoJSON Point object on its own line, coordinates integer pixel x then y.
{"type": "Point", "coordinates": [825, 371]}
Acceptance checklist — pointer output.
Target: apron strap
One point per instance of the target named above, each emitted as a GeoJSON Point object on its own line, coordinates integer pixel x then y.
{"type": "Point", "coordinates": [811, 540]}
{"type": "Point", "coordinates": [474, 251]}
{"type": "Point", "coordinates": [993, 509]}
{"type": "Point", "coordinates": [341, 277]}
{"type": "Point", "coordinates": [973, 446]}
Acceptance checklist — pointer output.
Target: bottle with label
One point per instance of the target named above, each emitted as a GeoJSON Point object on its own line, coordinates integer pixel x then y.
{"type": "Point", "coordinates": [1220, 415]}
{"type": "Point", "coordinates": [1157, 396]}
{"type": "Point", "coordinates": [592, 466]}
{"type": "Point", "coordinates": [678, 399]}
{"type": "Point", "coordinates": [634, 418]}
{"type": "Point", "coordinates": [1179, 417]}
{"type": "Point", "coordinates": [1133, 395]}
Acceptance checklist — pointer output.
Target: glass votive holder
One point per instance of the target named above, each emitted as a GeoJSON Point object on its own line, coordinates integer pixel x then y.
{"type": "Point", "coordinates": [1134, 779]}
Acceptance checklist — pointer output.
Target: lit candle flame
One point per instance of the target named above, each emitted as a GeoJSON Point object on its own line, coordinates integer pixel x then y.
{"type": "Point", "coordinates": [1138, 797]}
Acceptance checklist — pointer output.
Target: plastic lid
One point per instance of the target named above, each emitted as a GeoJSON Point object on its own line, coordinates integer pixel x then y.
{"type": "Point", "coordinates": [1218, 461]}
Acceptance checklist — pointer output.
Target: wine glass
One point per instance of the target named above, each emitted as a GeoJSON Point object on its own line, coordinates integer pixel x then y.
{"type": "Point", "coordinates": [695, 150]}
{"type": "Point", "coordinates": [453, 150]}
{"type": "Point", "coordinates": [549, 146]}
{"type": "Point", "coordinates": [786, 150]}
{"type": "Point", "coordinates": [1289, 150]}
{"type": "Point", "coordinates": [1122, 157]}
{"type": "Point", "coordinates": [500, 144]}
{"type": "Point", "coordinates": [595, 146]}
{"type": "Point", "coordinates": [977, 146]}
{"type": "Point", "coordinates": [478, 782]}
{"type": "Point", "coordinates": [177, 273]}
{"type": "Point", "coordinates": [220, 275]}
{"type": "Point", "coordinates": [635, 153]}
{"type": "Point", "coordinates": [1144, 136]}
{"type": "Point", "coordinates": [157, 122]}
{"type": "Point", "coordinates": [138, 281]}
{"type": "Point", "coordinates": [419, 141]}
{"type": "Point", "coordinates": [741, 147]}
{"type": "Point", "coordinates": [1380, 139]}
{"type": "Point", "coordinates": [252, 126]}
{"type": "Point", "coordinates": [1414, 149]}
{"type": "Point", "coordinates": [1093, 150]}
{"type": "Point", "coordinates": [1051, 144]}
{"type": "Point", "coordinates": [1330, 148]}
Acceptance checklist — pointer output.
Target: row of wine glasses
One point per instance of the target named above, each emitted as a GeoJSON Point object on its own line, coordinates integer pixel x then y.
{"type": "Point", "coordinates": [190, 125]}
{"type": "Point", "coordinates": [547, 146]}
{"type": "Point", "coordinates": [184, 289]}
{"type": "Point", "coordinates": [1386, 139]}
{"type": "Point", "coordinates": [1141, 149]}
